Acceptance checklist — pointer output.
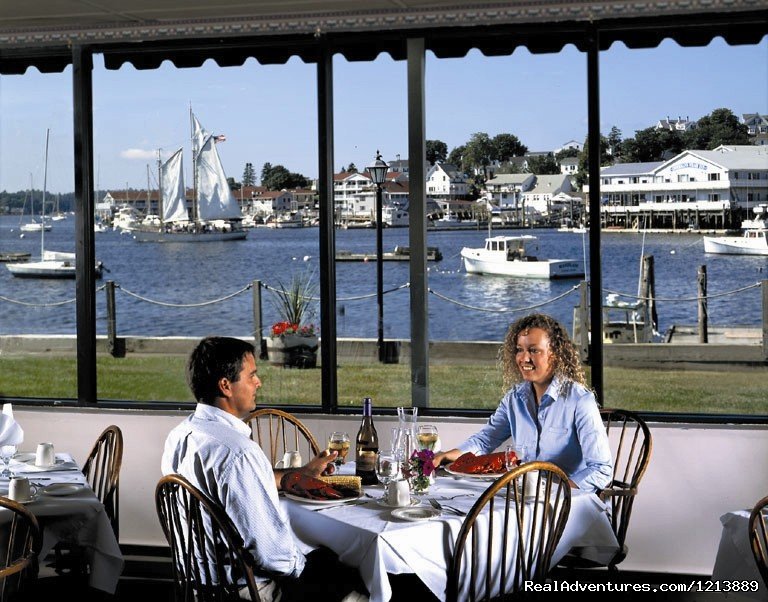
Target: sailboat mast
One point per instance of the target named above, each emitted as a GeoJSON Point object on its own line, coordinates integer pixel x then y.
{"type": "Point", "coordinates": [160, 211]}
{"type": "Point", "coordinates": [45, 186]}
{"type": "Point", "coordinates": [195, 208]}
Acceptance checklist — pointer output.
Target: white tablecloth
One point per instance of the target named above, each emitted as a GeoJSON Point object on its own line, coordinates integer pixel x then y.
{"type": "Point", "coordinates": [77, 518]}
{"type": "Point", "coordinates": [369, 538]}
{"type": "Point", "coordinates": [735, 561]}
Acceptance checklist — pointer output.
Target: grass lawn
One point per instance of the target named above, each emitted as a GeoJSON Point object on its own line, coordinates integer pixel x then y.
{"type": "Point", "coordinates": [161, 378]}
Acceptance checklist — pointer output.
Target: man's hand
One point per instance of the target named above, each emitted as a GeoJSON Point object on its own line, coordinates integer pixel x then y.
{"type": "Point", "coordinates": [321, 465]}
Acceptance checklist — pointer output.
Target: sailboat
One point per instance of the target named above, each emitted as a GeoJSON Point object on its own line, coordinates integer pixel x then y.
{"type": "Point", "coordinates": [34, 225]}
{"type": "Point", "coordinates": [52, 264]}
{"type": "Point", "coordinates": [216, 214]}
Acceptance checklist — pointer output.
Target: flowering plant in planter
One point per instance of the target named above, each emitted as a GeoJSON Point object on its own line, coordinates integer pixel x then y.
{"type": "Point", "coordinates": [294, 302]}
{"type": "Point", "coordinates": [419, 468]}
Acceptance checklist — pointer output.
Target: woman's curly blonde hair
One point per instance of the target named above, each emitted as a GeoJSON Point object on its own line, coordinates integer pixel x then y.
{"type": "Point", "coordinates": [564, 356]}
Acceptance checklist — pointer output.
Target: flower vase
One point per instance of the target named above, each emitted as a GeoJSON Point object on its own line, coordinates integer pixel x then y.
{"type": "Point", "coordinates": [420, 484]}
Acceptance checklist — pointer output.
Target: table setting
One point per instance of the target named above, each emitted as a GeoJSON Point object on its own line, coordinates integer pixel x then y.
{"type": "Point", "coordinates": [394, 527]}
{"type": "Point", "coordinates": [52, 486]}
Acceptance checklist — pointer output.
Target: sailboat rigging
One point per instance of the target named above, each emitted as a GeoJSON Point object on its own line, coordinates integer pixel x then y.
{"type": "Point", "coordinates": [34, 225]}
{"type": "Point", "coordinates": [216, 216]}
{"type": "Point", "coordinates": [52, 264]}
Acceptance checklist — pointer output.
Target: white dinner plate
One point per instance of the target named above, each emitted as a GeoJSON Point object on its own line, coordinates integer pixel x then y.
{"type": "Point", "coordinates": [382, 502]}
{"type": "Point", "coordinates": [466, 475]}
{"type": "Point", "coordinates": [305, 500]}
{"type": "Point", "coordinates": [62, 488]}
{"type": "Point", "coordinates": [415, 514]}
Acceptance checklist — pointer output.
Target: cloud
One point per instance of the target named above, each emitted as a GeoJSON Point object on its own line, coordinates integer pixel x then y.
{"type": "Point", "coordinates": [137, 153]}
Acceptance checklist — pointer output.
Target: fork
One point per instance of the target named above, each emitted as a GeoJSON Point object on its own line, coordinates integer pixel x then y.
{"type": "Point", "coordinates": [438, 506]}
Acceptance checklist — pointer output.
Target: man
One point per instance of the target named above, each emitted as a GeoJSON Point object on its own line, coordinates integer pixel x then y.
{"type": "Point", "coordinates": [212, 448]}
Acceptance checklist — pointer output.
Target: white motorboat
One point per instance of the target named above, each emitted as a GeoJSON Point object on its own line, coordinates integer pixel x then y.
{"type": "Point", "coordinates": [753, 240]}
{"type": "Point", "coordinates": [517, 256]}
{"type": "Point", "coordinates": [35, 227]}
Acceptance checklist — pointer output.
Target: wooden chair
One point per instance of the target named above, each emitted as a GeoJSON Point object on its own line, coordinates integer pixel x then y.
{"type": "Point", "coordinates": [21, 541]}
{"type": "Point", "coordinates": [517, 535]}
{"type": "Point", "coordinates": [758, 536]}
{"type": "Point", "coordinates": [277, 432]}
{"type": "Point", "coordinates": [102, 471]}
{"type": "Point", "coordinates": [207, 554]}
{"type": "Point", "coordinates": [631, 444]}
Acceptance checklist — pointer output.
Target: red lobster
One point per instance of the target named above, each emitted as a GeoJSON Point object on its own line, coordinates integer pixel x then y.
{"type": "Point", "coordinates": [485, 464]}
{"type": "Point", "coordinates": [309, 487]}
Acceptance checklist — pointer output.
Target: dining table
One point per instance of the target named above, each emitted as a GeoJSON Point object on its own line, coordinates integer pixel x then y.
{"type": "Point", "coordinates": [68, 511]}
{"type": "Point", "coordinates": [380, 540]}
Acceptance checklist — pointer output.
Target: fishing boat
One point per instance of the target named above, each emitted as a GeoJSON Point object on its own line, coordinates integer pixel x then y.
{"type": "Point", "coordinates": [517, 256]}
{"type": "Point", "coordinates": [52, 264]}
{"type": "Point", "coordinates": [753, 240]}
{"type": "Point", "coordinates": [216, 215]}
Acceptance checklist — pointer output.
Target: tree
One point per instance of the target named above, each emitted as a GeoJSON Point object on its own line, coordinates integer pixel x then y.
{"type": "Point", "coordinates": [278, 177]}
{"type": "Point", "coordinates": [582, 177]}
{"type": "Point", "coordinates": [651, 144]}
{"type": "Point", "coordinates": [233, 185]}
{"type": "Point", "coordinates": [437, 150]}
{"type": "Point", "coordinates": [719, 127]}
{"type": "Point", "coordinates": [567, 153]}
{"type": "Point", "coordinates": [543, 165]}
{"type": "Point", "coordinates": [506, 146]}
{"type": "Point", "coordinates": [249, 176]}
{"type": "Point", "coordinates": [351, 168]}
{"type": "Point", "coordinates": [478, 153]}
{"type": "Point", "coordinates": [456, 156]}
{"type": "Point", "coordinates": [614, 143]}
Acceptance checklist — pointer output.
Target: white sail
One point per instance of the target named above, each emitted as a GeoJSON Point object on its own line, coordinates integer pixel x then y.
{"type": "Point", "coordinates": [173, 189]}
{"type": "Point", "coordinates": [214, 198]}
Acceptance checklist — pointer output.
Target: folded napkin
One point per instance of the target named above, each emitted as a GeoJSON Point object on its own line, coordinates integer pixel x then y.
{"type": "Point", "coordinates": [10, 431]}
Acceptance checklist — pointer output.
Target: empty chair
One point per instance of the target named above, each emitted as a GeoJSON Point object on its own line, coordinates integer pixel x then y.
{"type": "Point", "coordinates": [509, 539]}
{"type": "Point", "coordinates": [277, 432]}
{"type": "Point", "coordinates": [758, 536]}
{"type": "Point", "coordinates": [102, 471]}
{"type": "Point", "coordinates": [207, 554]}
{"type": "Point", "coordinates": [631, 444]}
{"type": "Point", "coordinates": [20, 543]}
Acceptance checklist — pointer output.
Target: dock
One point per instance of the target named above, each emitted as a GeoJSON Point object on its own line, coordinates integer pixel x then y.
{"type": "Point", "coordinates": [13, 257]}
{"type": "Point", "coordinates": [399, 254]}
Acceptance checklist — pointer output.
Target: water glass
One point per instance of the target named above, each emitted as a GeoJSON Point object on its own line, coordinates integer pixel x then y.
{"type": "Point", "coordinates": [6, 453]}
{"type": "Point", "coordinates": [387, 468]}
{"type": "Point", "coordinates": [515, 455]}
{"type": "Point", "coordinates": [339, 442]}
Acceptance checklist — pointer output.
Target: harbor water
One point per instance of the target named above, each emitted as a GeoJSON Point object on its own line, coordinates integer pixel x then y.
{"type": "Point", "coordinates": [175, 289]}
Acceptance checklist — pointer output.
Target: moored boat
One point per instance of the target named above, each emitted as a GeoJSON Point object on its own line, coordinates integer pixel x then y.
{"type": "Point", "coordinates": [753, 240]}
{"type": "Point", "coordinates": [517, 256]}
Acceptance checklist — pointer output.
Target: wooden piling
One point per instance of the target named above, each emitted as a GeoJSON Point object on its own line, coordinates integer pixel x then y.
{"type": "Point", "coordinates": [701, 280]}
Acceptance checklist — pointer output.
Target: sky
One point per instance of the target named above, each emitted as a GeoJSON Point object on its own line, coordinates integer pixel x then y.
{"type": "Point", "coordinates": [269, 113]}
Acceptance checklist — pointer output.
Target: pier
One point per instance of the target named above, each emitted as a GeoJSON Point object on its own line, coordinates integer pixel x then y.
{"type": "Point", "coordinates": [399, 254]}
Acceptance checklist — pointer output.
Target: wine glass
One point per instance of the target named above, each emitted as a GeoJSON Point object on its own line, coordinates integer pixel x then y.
{"type": "Point", "coordinates": [6, 453]}
{"type": "Point", "coordinates": [427, 436]}
{"type": "Point", "coordinates": [387, 469]}
{"type": "Point", "coordinates": [339, 442]}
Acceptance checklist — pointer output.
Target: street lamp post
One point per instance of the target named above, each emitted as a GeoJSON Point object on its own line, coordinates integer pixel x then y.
{"type": "Point", "coordinates": [378, 171]}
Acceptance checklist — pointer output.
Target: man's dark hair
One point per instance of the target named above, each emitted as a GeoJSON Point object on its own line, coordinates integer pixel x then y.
{"type": "Point", "coordinates": [215, 358]}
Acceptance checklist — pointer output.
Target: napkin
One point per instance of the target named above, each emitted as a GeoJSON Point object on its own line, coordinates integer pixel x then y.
{"type": "Point", "coordinates": [10, 431]}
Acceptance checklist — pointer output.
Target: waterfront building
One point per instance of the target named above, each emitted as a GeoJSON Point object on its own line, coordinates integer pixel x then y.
{"type": "Point", "coordinates": [505, 189]}
{"type": "Point", "coordinates": [571, 144]}
{"type": "Point", "coordinates": [756, 124]}
{"type": "Point", "coordinates": [713, 188]}
{"type": "Point", "coordinates": [271, 202]}
{"type": "Point", "coordinates": [569, 165]}
{"type": "Point", "coordinates": [540, 196]}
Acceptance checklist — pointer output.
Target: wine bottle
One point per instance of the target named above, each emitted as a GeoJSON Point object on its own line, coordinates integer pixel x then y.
{"type": "Point", "coordinates": [366, 446]}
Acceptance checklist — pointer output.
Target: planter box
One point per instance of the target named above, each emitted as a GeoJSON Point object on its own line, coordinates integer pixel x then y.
{"type": "Point", "coordinates": [293, 351]}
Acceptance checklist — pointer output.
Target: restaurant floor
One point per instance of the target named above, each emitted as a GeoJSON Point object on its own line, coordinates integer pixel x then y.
{"type": "Point", "coordinates": [151, 581]}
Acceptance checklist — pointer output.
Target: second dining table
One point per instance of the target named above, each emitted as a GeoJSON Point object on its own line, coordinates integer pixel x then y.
{"type": "Point", "coordinates": [367, 535]}
{"type": "Point", "coordinates": [68, 510]}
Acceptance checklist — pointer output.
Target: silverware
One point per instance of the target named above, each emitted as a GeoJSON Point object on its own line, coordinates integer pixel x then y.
{"type": "Point", "coordinates": [438, 506]}
{"type": "Point", "coordinates": [340, 505]}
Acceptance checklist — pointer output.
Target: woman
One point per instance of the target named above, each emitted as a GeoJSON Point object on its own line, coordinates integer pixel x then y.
{"type": "Point", "coordinates": [548, 408]}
